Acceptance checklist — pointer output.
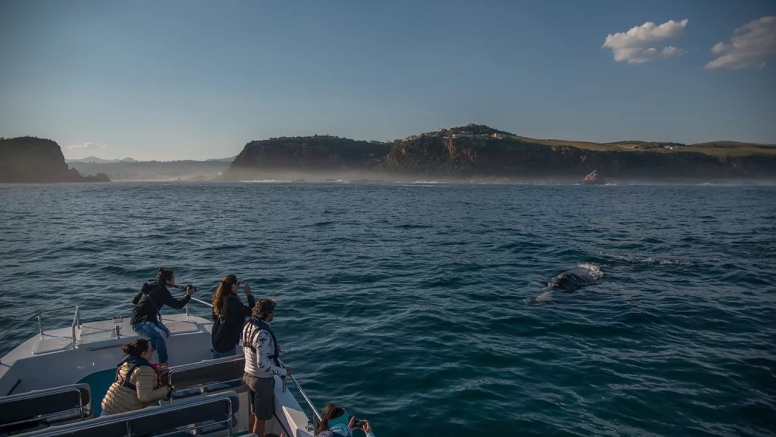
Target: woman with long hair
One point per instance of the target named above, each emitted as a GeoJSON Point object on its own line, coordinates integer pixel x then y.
{"type": "Point", "coordinates": [229, 314]}
{"type": "Point", "coordinates": [335, 423]}
{"type": "Point", "coordinates": [137, 381]}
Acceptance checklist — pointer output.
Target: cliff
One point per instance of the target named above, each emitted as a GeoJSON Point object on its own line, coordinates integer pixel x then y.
{"type": "Point", "coordinates": [515, 158]}
{"type": "Point", "coordinates": [478, 151]}
{"type": "Point", "coordinates": [316, 155]}
{"type": "Point", "coordinates": [30, 159]}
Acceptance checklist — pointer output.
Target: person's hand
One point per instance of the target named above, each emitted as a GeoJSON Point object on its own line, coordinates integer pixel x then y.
{"type": "Point", "coordinates": [190, 289]}
{"type": "Point", "coordinates": [288, 371]}
{"type": "Point", "coordinates": [352, 423]}
{"type": "Point", "coordinates": [367, 427]}
{"type": "Point", "coordinates": [247, 289]}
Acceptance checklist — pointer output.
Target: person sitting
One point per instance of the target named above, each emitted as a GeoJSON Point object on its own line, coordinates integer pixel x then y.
{"type": "Point", "coordinates": [145, 316]}
{"type": "Point", "coordinates": [229, 315]}
{"type": "Point", "coordinates": [137, 382]}
{"type": "Point", "coordinates": [335, 423]}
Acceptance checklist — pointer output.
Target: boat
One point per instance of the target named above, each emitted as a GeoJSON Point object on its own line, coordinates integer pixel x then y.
{"type": "Point", "coordinates": [52, 384]}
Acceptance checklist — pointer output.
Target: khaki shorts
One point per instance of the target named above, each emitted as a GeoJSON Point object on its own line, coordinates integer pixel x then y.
{"type": "Point", "coordinates": [262, 396]}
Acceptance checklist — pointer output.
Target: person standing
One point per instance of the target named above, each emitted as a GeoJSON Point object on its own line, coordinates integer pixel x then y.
{"type": "Point", "coordinates": [262, 363]}
{"type": "Point", "coordinates": [145, 316]}
{"type": "Point", "coordinates": [229, 315]}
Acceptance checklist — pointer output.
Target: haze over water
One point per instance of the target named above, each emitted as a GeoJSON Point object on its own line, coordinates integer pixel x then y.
{"type": "Point", "coordinates": [404, 302]}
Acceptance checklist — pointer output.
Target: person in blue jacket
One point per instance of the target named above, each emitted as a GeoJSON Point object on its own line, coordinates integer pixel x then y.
{"type": "Point", "coordinates": [335, 423]}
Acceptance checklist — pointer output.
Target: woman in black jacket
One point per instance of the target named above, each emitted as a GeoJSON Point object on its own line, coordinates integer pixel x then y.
{"type": "Point", "coordinates": [229, 315]}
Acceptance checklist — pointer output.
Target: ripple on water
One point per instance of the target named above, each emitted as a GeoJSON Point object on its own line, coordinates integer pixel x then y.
{"type": "Point", "coordinates": [404, 302]}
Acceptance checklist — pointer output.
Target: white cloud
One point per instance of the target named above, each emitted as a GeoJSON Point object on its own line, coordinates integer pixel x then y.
{"type": "Point", "coordinates": [751, 45]}
{"type": "Point", "coordinates": [88, 146]}
{"type": "Point", "coordinates": [633, 46]}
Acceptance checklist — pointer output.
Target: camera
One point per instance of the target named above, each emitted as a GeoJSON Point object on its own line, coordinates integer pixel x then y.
{"type": "Point", "coordinates": [190, 287]}
{"type": "Point", "coordinates": [358, 423]}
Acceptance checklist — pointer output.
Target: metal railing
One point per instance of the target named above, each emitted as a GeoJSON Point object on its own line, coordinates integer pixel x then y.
{"type": "Point", "coordinates": [39, 315]}
{"type": "Point", "coordinates": [208, 304]}
{"type": "Point", "coordinates": [8, 401]}
{"type": "Point", "coordinates": [146, 414]}
{"type": "Point", "coordinates": [304, 395]}
{"type": "Point", "coordinates": [296, 383]}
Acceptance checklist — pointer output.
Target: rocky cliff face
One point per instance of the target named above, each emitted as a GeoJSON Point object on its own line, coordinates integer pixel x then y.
{"type": "Point", "coordinates": [477, 151]}
{"type": "Point", "coordinates": [593, 179]}
{"type": "Point", "coordinates": [513, 158]}
{"type": "Point", "coordinates": [29, 159]}
{"type": "Point", "coordinates": [306, 155]}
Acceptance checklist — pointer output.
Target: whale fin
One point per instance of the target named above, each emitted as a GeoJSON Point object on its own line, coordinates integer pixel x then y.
{"type": "Point", "coordinates": [547, 295]}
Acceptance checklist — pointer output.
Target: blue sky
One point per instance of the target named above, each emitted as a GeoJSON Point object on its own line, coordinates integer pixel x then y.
{"type": "Point", "coordinates": [195, 79]}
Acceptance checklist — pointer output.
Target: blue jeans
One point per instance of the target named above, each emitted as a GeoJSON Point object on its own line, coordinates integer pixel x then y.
{"type": "Point", "coordinates": [155, 333]}
{"type": "Point", "coordinates": [230, 353]}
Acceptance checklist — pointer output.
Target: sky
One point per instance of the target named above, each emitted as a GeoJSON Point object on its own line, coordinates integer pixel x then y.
{"type": "Point", "coordinates": [199, 79]}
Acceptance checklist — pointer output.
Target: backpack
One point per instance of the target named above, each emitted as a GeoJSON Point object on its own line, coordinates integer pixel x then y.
{"type": "Point", "coordinates": [125, 382]}
{"type": "Point", "coordinates": [218, 336]}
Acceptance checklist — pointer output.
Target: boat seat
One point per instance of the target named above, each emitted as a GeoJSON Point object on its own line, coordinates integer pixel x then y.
{"type": "Point", "coordinates": [209, 376]}
{"type": "Point", "coordinates": [210, 371]}
{"type": "Point", "coordinates": [206, 415]}
{"type": "Point", "coordinates": [39, 408]}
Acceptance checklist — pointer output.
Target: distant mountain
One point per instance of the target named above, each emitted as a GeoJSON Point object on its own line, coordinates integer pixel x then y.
{"type": "Point", "coordinates": [96, 160]}
{"type": "Point", "coordinates": [154, 170]}
{"type": "Point", "coordinates": [221, 159]}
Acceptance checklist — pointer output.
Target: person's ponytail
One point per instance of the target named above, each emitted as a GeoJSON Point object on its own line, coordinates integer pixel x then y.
{"type": "Point", "coordinates": [136, 348]}
{"type": "Point", "coordinates": [164, 275]}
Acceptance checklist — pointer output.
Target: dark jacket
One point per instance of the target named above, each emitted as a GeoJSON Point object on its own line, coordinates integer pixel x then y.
{"type": "Point", "coordinates": [228, 328]}
{"type": "Point", "coordinates": [152, 297]}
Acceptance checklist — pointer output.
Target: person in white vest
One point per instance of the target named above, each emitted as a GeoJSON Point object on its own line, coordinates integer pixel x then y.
{"type": "Point", "coordinates": [262, 363]}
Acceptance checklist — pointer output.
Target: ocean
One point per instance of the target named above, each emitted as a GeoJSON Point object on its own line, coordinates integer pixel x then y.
{"type": "Point", "coordinates": [405, 303]}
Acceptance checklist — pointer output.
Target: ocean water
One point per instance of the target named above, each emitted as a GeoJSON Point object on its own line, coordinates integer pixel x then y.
{"type": "Point", "coordinates": [405, 302]}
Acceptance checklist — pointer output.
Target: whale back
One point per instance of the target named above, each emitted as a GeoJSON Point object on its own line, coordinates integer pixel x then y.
{"type": "Point", "coordinates": [572, 280]}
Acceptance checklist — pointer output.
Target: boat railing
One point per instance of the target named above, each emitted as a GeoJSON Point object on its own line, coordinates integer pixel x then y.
{"type": "Point", "coordinates": [53, 405]}
{"type": "Point", "coordinates": [304, 395]}
{"type": "Point", "coordinates": [194, 299]}
{"type": "Point", "coordinates": [317, 416]}
{"type": "Point", "coordinates": [192, 417]}
{"type": "Point", "coordinates": [39, 315]}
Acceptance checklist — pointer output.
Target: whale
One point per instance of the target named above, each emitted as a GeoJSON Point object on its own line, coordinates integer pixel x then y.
{"type": "Point", "coordinates": [570, 281]}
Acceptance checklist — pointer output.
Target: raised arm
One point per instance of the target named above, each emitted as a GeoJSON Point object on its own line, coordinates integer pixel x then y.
{"type": "Point", "coordinates": [174, 303]}
{"type": "Point", "coordinates": [245, 311]}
